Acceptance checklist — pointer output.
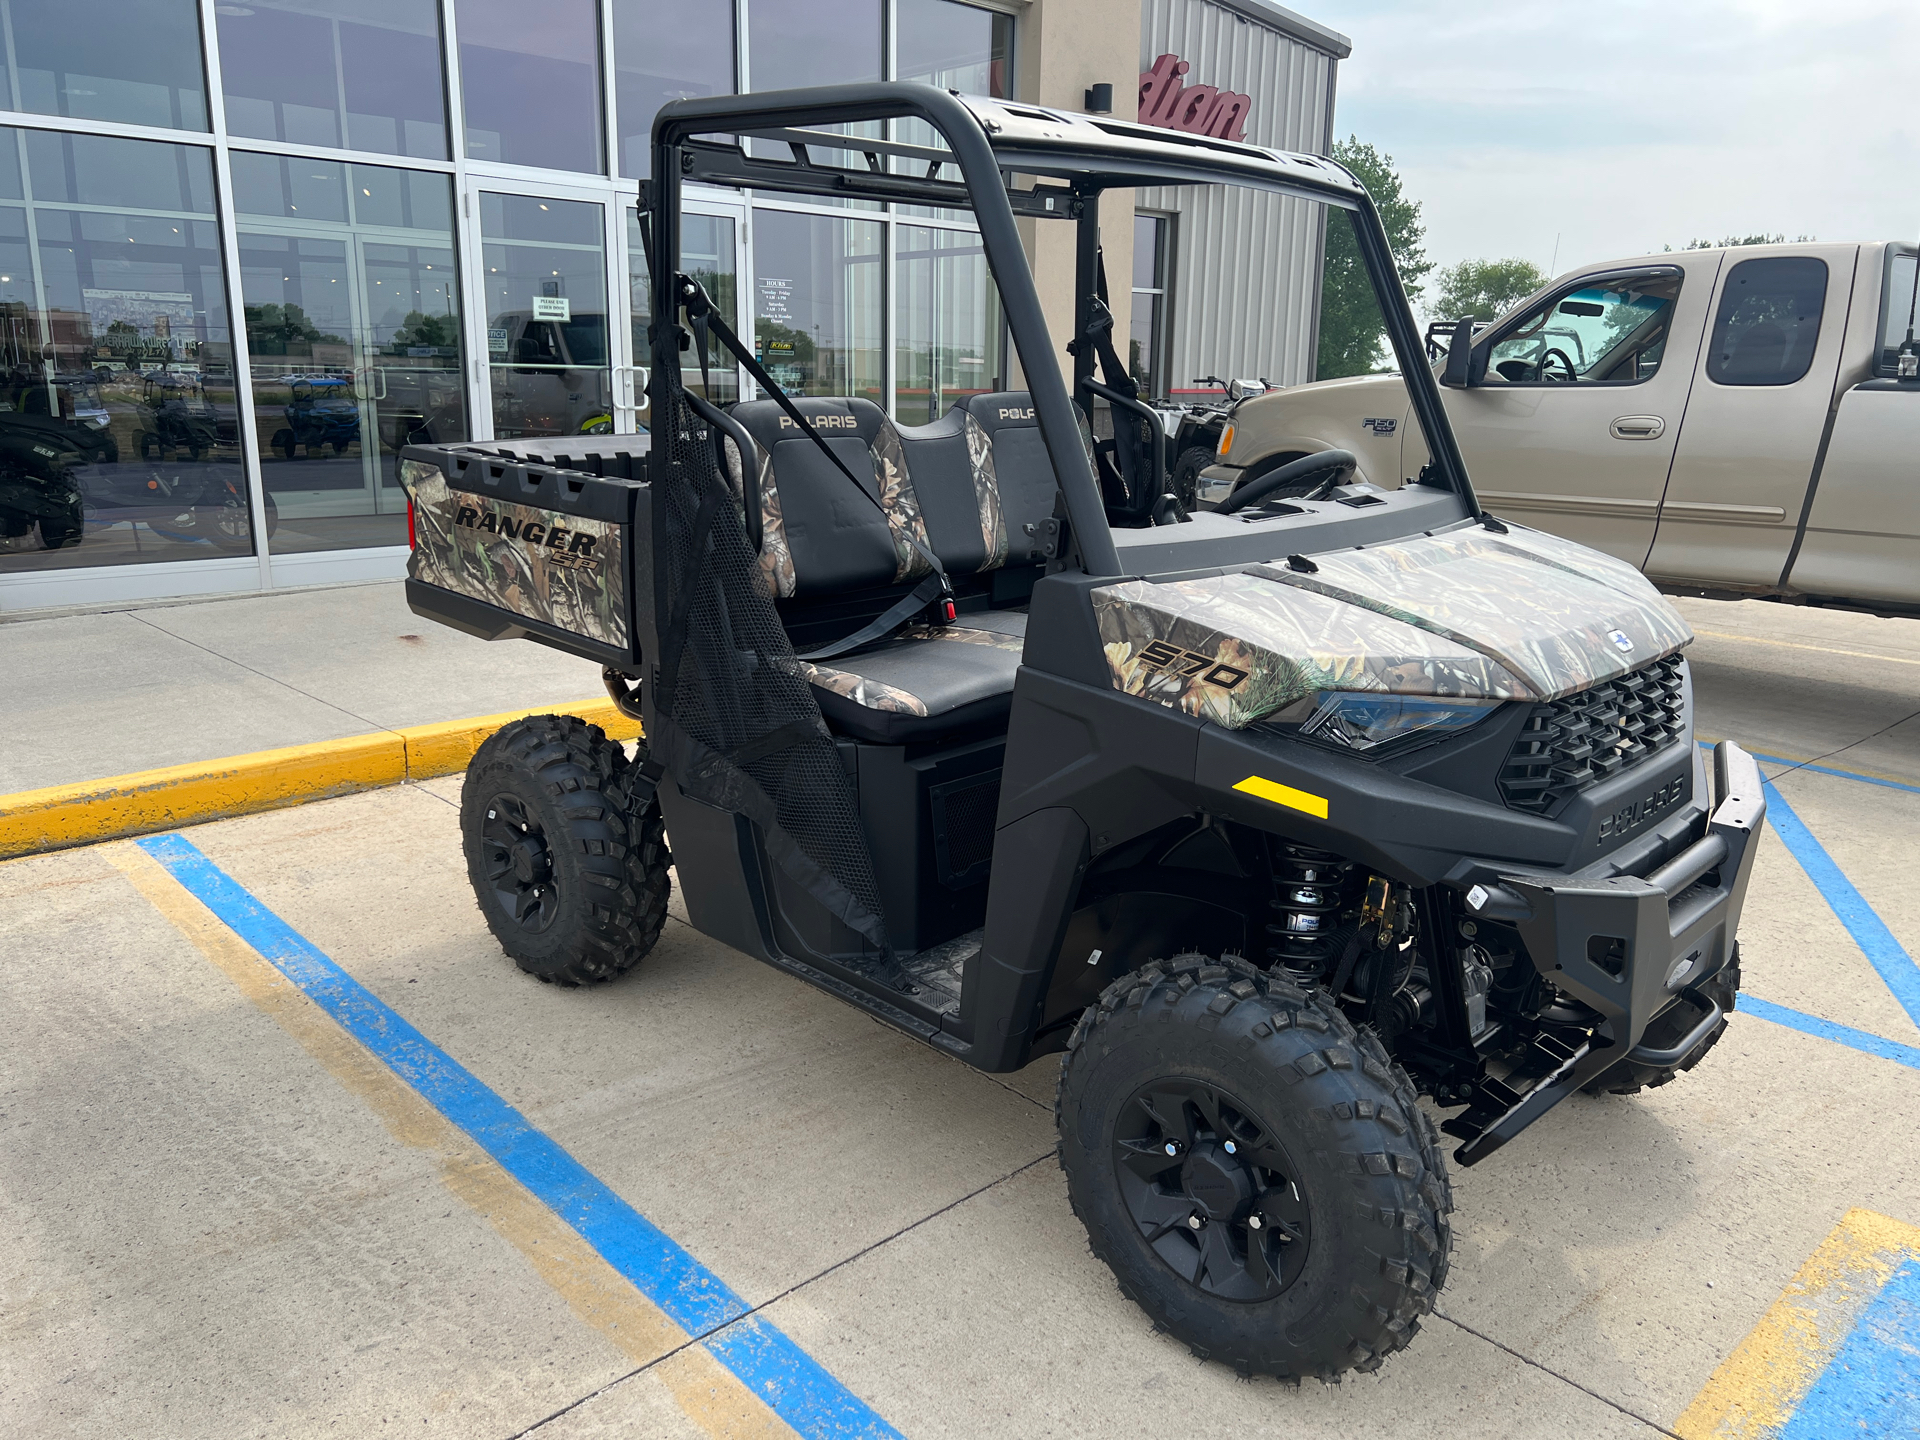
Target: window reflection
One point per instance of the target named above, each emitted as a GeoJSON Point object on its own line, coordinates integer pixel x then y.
{"type": "Point", "coordinates": [365, 80]}
{"type": "Point", "coordinates": [530, 81]}
{"type": "Point", "coordinates": [353, 335]}
{"type": "Point", "coordinates": [546, 289]}
{"type": "Point", "coordinates": [137, 63]}
{"type": "Point", "coordinates": [119, 437]}
{"type": "Point", "coordinates": [817, 303]}
{"type": "Point", "coordinates": [664, 50]}
{"type": "Point", "coordinates": [947, 345]}
{"type": "Point", "coordinates": [707, 253]}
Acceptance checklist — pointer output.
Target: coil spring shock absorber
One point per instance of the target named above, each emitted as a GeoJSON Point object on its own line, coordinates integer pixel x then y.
{"type": "Point", "coordinates": [1311, 890]}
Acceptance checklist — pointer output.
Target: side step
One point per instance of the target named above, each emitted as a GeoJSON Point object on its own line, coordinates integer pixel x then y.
{"type": "Point", "coordinates": [1499, 1111]}
{"type": "Point", "coordinates": [937, 970]}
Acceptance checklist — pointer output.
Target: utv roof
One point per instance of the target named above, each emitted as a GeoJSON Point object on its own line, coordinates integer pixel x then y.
{"type": "Point", "coordinates": [1088, 153]}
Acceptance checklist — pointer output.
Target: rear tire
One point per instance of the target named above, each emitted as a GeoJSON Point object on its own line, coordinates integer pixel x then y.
{"type": "Point", "coordinates": [1184, 480]}
{"type": "Point", "coordinates": [1628, 1078]}
{"type": "Point", "coordinates": [573, 883]}
{"type": "Point", "coordinates": [1333, 1156]}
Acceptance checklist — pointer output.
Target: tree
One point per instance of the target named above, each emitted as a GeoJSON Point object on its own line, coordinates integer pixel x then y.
{"type": "Point", "coordinates": [1485, 289]}
{"type": "Point", "coordinates": [439, 331]}
{"type": "Point", "coordinates": [1352, 332]}
{"type": "Point", "coordinates": [271, 329]}
{"type": "Point", "coordinates": [1731, 240]}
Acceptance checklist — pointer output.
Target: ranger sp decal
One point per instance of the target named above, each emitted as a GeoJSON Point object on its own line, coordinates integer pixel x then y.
{"type": "Point", "coordinates": [564, 570]}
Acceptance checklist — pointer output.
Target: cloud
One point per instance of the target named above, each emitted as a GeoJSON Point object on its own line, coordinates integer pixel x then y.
{"type": "Point", "coordinates": [1615, 129]}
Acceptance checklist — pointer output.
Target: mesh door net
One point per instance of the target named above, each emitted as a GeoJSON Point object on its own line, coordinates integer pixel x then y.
{"type": "Point", "coordinates": [738, 727]}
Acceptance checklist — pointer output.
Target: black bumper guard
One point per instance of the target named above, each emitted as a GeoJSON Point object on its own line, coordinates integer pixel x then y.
{"type": "Point", "coordinates": [1629, 948]}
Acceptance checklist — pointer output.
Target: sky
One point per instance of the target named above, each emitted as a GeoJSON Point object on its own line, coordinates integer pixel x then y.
{"type": "Point", "coordinates": [1607, 131]}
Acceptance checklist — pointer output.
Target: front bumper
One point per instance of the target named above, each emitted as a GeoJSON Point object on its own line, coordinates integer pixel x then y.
{"type": "Point", "coordinates": [1627, 946]}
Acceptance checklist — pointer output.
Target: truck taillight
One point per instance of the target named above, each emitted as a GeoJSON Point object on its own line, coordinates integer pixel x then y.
{"type": "Point", "coordinates": [1226, 441]}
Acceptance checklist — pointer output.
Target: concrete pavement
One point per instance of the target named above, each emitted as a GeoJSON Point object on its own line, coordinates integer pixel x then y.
{"type": "Point", "coordinates": [227, 1222]}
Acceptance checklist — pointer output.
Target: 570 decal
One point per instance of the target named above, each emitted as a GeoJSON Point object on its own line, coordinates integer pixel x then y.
{"type": "Point", "coordinates": [1191, 664]}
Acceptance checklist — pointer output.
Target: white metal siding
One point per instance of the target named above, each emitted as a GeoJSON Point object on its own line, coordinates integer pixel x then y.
{"type": "Point", "coordinates": [1243, 292]}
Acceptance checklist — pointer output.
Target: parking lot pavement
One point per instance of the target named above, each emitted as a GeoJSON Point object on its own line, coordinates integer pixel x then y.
{"type": "Point", "coordinates": [232, 1217]}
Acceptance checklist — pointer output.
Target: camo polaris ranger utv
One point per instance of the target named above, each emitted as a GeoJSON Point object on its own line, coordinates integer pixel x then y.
{"type": "Point", "coordinates": [1273, 817]}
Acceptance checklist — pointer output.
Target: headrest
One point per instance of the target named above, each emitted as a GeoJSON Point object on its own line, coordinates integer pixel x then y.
{"type": "Point", "coordinates": [835, 419]}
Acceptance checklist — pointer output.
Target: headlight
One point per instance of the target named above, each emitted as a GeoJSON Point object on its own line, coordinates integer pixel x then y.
{"type": "Point", "coordinates": [1226, 442]}
{"type": "Point", "coordinates": [1361, 720]}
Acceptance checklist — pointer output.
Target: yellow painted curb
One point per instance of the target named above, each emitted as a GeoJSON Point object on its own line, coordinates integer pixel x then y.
{"type": "Point", "coordinates": [148, 800]}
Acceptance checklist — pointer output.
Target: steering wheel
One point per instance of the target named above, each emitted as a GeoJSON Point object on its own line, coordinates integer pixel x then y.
{"type": "Point", "coordinates": [1336, 465]}
{"type": "Point", "coordinates": [1540, 366]}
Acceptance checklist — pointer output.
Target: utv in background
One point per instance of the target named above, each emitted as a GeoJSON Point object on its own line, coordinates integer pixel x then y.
{"type": "Point", "coordinates": [1272, 817]}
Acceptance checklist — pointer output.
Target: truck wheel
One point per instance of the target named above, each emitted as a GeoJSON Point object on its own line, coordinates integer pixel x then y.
{"type": "Point", "coordinates": [1256, 1172]}
{"type": "Point", "coordinates": [1184, 479]}
{"type": "Point", "coordinates": [1627, 1078]}
{"type": "Point", "coordinates": [573, 883]}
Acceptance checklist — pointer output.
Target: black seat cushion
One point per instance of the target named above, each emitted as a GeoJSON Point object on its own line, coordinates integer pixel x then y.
{"type": "Point", "coordinates": [925, 682]}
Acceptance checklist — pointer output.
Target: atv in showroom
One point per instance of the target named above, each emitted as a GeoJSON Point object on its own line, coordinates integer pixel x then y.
{"type": "Point", "coordinates": [1272, 818]}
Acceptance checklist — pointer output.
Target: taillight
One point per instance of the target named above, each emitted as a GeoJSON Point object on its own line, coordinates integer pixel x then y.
{"type": "Point", "coordinates": [1226, 442]}
{"type": "Point", "coordinates": [410, 524]}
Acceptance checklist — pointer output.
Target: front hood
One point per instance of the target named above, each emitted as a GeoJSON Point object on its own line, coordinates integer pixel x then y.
{"type": "Point", "coordinates": [1467, 613]}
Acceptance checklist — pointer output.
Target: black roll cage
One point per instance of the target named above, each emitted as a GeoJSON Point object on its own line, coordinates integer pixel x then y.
{"type": "Point", "coordinates": [993, 143]}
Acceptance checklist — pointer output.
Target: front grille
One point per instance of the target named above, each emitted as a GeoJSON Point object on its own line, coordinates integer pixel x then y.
{"type": "Point", "coordinates": [1567, 745]}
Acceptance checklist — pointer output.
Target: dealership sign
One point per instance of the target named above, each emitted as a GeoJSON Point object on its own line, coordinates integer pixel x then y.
{"type": "Point", "coordinates": [1198, 109]}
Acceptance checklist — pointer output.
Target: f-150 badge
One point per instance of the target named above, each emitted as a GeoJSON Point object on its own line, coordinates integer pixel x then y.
{"type": "Point", "coordinates": [1380, 424]}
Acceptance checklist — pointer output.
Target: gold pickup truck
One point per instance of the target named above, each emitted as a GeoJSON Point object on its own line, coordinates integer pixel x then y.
{"type": "Point", "coordinates": [1727, 420]}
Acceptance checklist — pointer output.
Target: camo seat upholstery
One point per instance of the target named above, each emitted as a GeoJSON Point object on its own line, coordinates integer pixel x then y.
{"type": "Point", "coordinates": [975, 487]}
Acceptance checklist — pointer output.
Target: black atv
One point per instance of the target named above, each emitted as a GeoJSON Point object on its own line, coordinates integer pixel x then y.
{"type": "Point", "coordinates": [1197, 434]}
{"type": "Point", "coordinates": [1273, 818]}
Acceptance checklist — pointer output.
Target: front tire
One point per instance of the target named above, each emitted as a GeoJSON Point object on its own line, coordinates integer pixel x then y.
{"type": "Point", "coordinates": [1184, 479]}
{"type": "Point", "coordinates": [1298, 1225]}
{"type": "Point", "coordinates": [572, 880]}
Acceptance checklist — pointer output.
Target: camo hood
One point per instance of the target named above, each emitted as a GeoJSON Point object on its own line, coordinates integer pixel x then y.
{"type": "Point", "coordinates": [1467, 613]}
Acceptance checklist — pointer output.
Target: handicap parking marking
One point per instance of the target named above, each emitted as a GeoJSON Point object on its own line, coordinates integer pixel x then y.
{"type": "Point", "coordinates": [1837, 1354]}
{"type": "Point", "coordinates": [774, 1371]}
{"type": "Point", "coordinates": [1886, 954]}
{"type": "Point", "coordinates": [1861, 1040]}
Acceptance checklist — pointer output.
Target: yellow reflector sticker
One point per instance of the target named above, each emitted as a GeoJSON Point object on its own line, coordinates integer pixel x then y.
{"type": "Point", "coordinates": [1284, 795]}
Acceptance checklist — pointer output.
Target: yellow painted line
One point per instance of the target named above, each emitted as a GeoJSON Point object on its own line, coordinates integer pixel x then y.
{"type": "Point", "coordinates": [62, 815]}
{"type": "Point", "coordinates": [1753, 1393]}
{"type": "Point", "coordinates": [1265, 789]}
{"type": "Point", "coordinates": [1801, 645]}
{"type": "Point", "coordinates": [706, 1392]}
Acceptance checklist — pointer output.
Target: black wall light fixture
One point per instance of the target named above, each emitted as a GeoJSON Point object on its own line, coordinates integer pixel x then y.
{"type": "Point", "coordinates": [1100, 100]}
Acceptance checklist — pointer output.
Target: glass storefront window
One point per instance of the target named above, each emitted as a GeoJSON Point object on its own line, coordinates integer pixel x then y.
{"type": "Point", "coordinates": [957, 47]}
{"type": "Point", "coordinates": [708, 254]}
{"type": "Point", "coordinates": [119, 432]}
{"type": "Point", "coordinates": [347, 276]}
{"type": "Point", "coordinates": [136, 63]}
{"type": "Point", "coordinates": [367, 79]}
{"type": "Point", "coordinates": [1149, 318]}
{"type": "Point", "coordinates": [530, 82]}
{"type": "Point", "coordinates": [946, 323]}
{"type": "Point", "coordinates": [817, 303]}
{"type": "Point", "coordinates": [546, 286]}
{"type": "Point", "coordinates": [812, 42]}
{"type": "Point", "coordinates": [664, 50]}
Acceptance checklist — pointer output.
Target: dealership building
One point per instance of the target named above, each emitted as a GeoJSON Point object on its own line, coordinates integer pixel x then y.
{"type": "Point", "coordinates": [249, 250]}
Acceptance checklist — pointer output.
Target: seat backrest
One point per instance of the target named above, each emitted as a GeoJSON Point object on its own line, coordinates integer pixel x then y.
{"type": "Point", "coordinates": [1020, 471]}
{"type": "Point", "coordinates": [819, 537]}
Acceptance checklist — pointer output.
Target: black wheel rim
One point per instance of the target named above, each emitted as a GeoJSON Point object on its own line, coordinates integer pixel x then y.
{"type": "Point", "coordinates": [518, 864]}
{"type": "Point", "coordinates": [1211, 1189]}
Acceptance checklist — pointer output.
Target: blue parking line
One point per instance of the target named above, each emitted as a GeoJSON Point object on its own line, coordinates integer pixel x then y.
{"type": "Point", "coordinates": [1871, 1386]}
{"type": "Point", "coordinates": [1869, 931]}
{"type": "Point", "coordinates": [792, 1383]}
{"type": "Point", "coordinates": [1843, 774]}
{"type": "Point", "coordinates": [1861, 1040]}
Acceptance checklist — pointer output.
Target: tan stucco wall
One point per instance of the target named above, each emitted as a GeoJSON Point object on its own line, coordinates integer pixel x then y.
{"type": "Point", "coordinates": [1066, 47]}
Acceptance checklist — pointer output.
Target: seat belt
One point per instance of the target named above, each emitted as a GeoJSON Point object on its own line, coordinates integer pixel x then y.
{"type": "Point", "coordinates": [936, 590]}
